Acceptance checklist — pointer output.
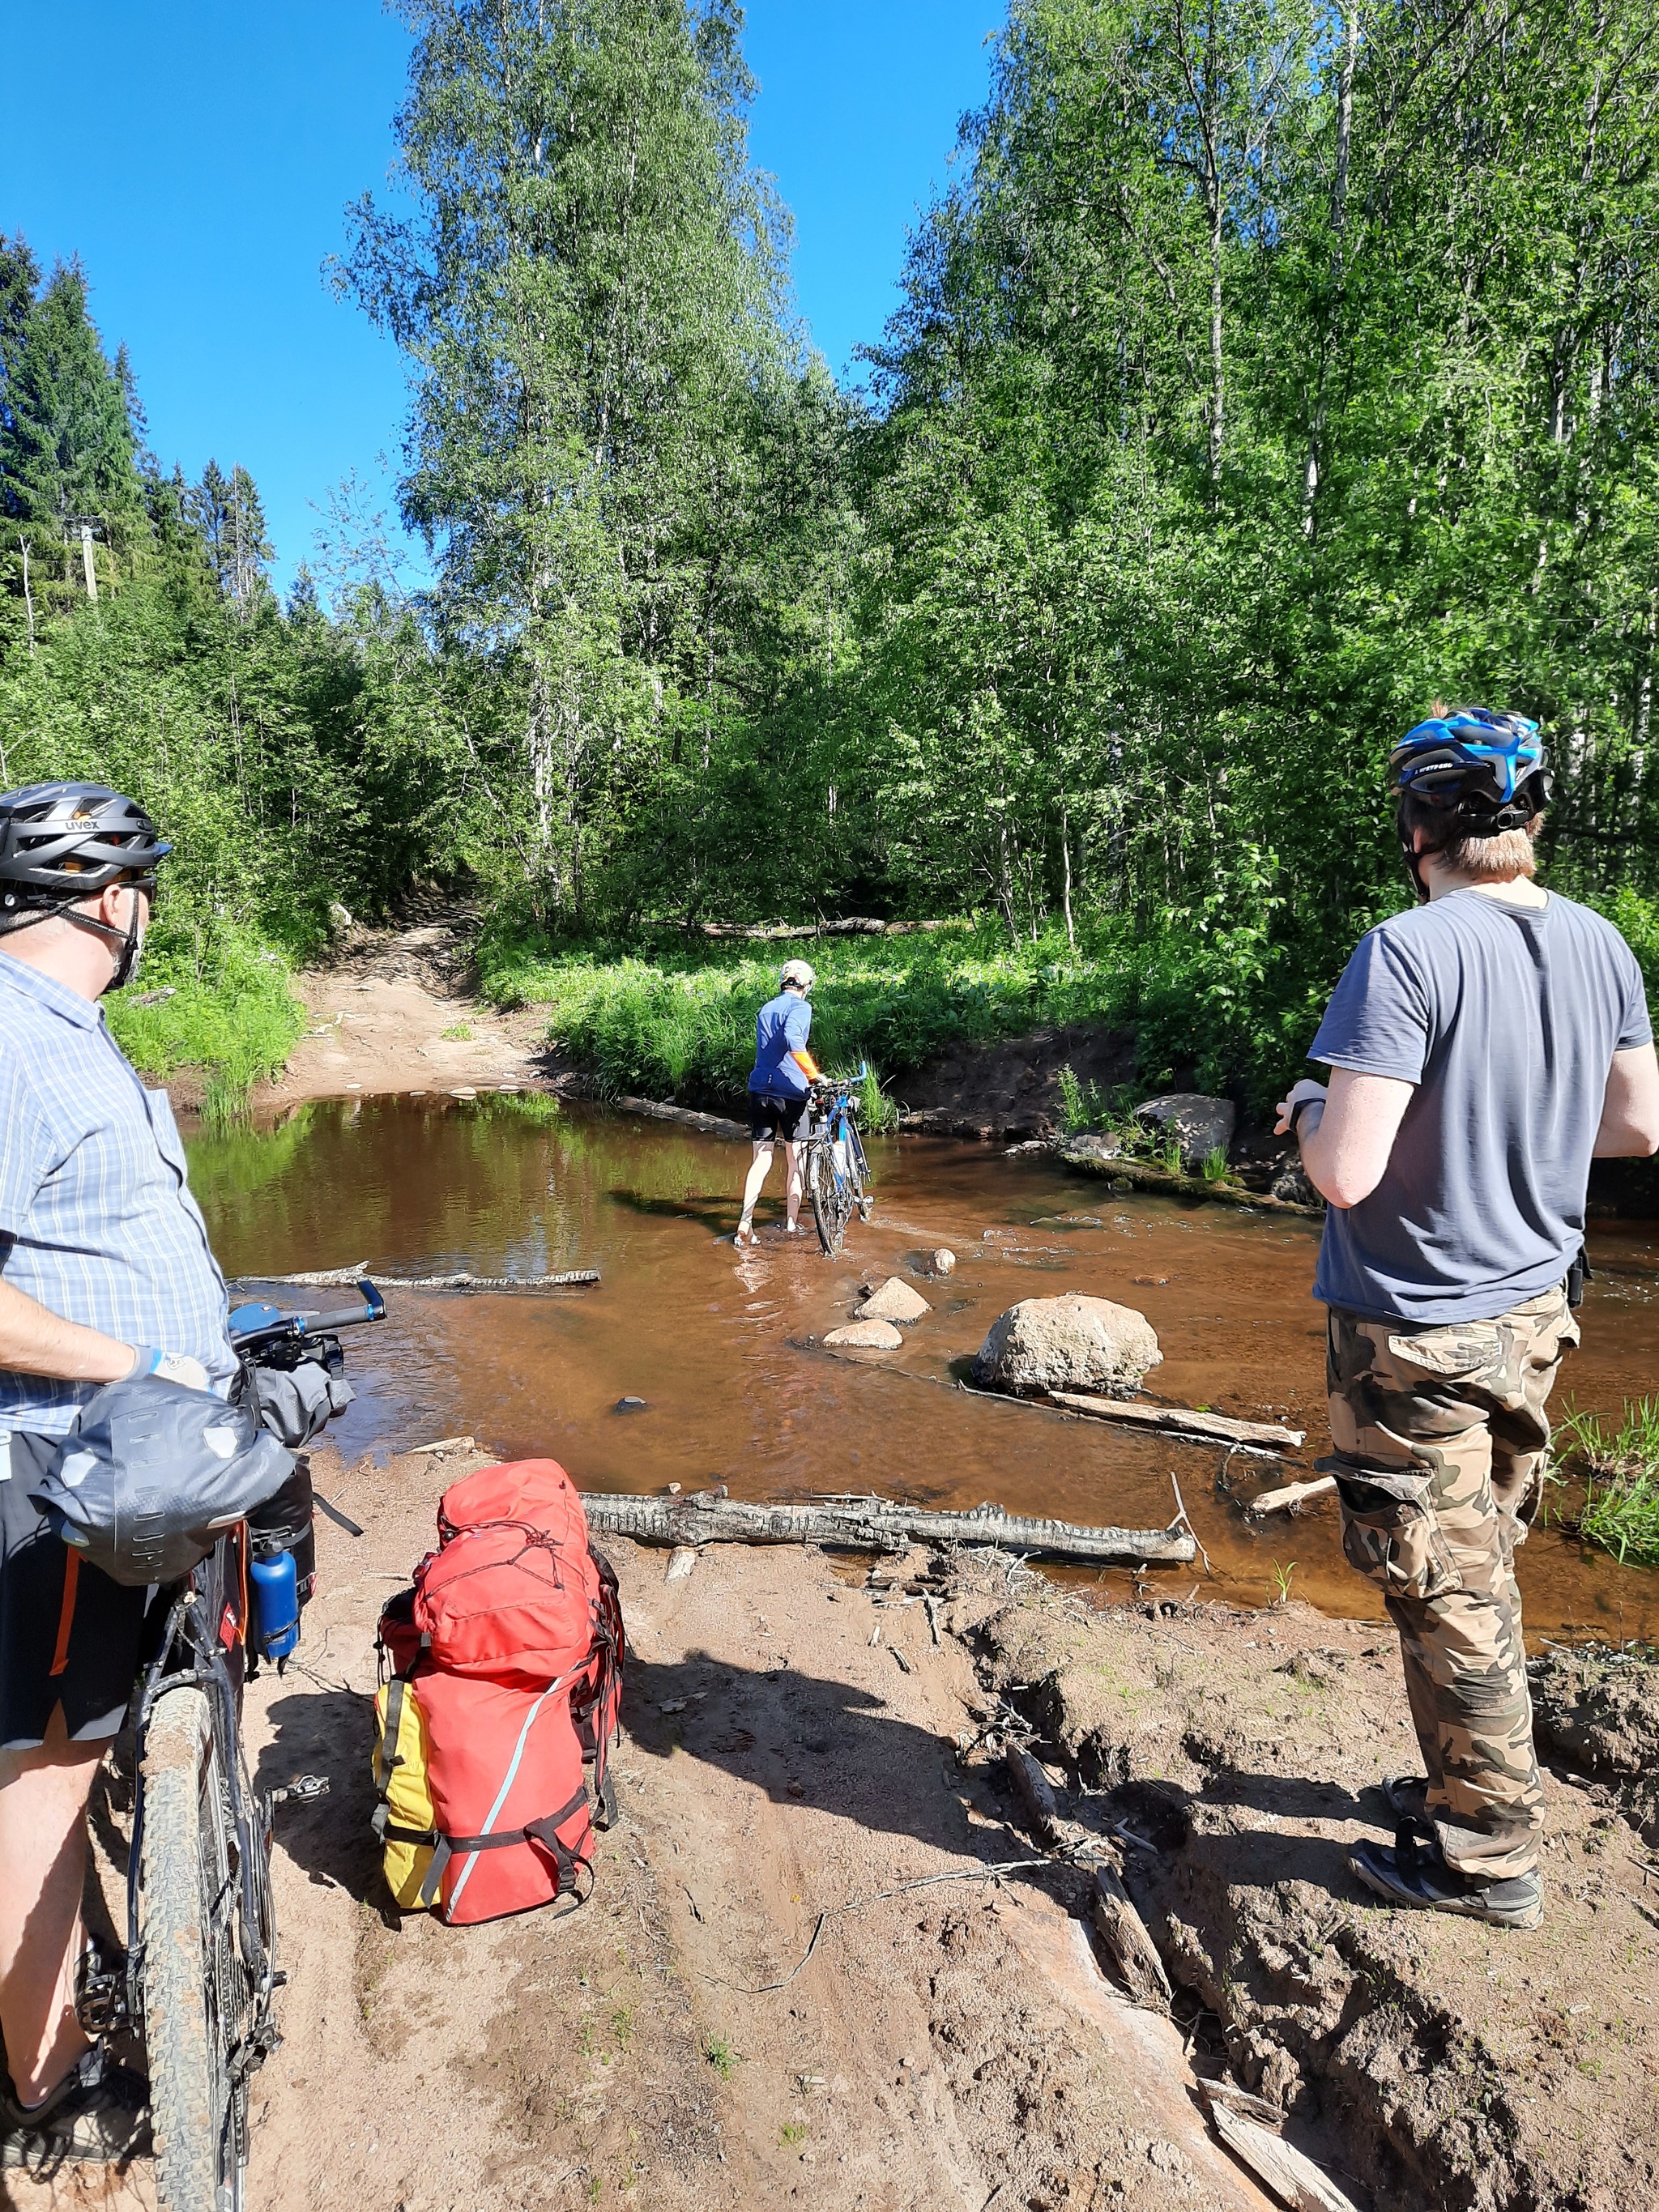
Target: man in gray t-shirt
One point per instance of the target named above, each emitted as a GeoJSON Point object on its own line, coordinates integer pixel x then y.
{"type": "Point", "coordinates": [1484, 1048]}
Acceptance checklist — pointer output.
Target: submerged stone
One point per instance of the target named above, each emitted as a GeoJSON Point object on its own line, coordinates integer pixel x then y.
{"type": "Point", "coordinates": [867, 1335]}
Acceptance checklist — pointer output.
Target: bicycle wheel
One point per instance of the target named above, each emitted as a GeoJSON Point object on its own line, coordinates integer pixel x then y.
{"type": "Point", "coordinates": [857, 1169]}
{"type": "Point", "coordinates": [194, 1976]}
{"type": "Point", "coordinates": [830, 1211]}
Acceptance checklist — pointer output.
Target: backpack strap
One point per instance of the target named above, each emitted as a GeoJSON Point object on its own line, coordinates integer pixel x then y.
{"type": "Point", "coordinates": [544, 1831]}
{"type": "Point", "coordinates": [387, 1831]}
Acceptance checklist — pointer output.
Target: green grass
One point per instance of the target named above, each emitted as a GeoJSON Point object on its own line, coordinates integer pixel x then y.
{"type": "Point", "coordinates": [669, 1016]}
{"type": "Point", "coordinates": [721, 2057]}
{"type": "Point", "coordinates": [1619, 1462]}
{"type": "Point", "coordinates": [230, 1010]}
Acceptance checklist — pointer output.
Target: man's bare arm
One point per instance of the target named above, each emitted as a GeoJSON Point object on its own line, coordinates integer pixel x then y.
{"type": "Point", "coordinates": [1630, 1106]}
{"type": "Point", "coordinates": [1347, 1132]}
{"type": "Point", "coordinates": [34, 1341]}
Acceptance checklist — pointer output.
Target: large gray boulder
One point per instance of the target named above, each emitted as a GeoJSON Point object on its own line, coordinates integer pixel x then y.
{"type": "Point", "coordinates": [1070, 1343]}
{"type": "Point", "coordinates": [1199, 1124]}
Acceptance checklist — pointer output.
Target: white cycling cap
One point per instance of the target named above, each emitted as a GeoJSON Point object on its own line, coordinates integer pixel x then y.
{"type": "Point", "coordinates": [798, 972]}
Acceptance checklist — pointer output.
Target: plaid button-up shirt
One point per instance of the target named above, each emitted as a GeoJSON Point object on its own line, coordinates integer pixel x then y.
{"type": "Point", "coordinates": [97, 1223]}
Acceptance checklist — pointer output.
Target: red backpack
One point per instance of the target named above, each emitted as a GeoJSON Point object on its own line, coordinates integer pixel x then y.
{"type": "Point", "coordinates": [505, 1662]}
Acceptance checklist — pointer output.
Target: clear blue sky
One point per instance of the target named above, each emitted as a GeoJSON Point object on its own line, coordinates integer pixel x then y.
{"type": "Point", "coordinates": [197, 155]}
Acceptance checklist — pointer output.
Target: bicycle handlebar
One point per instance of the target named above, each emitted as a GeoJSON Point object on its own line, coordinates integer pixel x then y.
{"type": "Point", "coordinates": [326, 1324]}
{"type": "Point", "coordinates": [843, 1082]}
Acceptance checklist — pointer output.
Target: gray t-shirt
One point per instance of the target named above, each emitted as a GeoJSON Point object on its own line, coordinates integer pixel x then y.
{"type": "Point", "coordinates": [1506, 1019]}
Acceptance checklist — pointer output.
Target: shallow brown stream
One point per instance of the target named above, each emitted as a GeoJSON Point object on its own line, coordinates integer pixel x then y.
{"type": "Point", "coordinates": [717, 1344]}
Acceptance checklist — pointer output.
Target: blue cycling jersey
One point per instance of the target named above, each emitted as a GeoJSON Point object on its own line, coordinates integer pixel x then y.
{"type": "Point", "coordinates": [782, 1027]}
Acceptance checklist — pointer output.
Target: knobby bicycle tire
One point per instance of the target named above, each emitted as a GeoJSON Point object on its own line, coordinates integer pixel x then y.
{"type": "Point", "coordinates": [192, 1964]}
{"type": "Point", "coordinates": [830, 1213]}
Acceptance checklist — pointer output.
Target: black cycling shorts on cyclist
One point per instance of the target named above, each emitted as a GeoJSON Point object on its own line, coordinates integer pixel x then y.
{"type": "Point", "coordinates": [779, 1085]}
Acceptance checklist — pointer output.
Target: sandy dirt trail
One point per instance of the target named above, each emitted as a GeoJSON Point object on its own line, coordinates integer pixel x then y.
{"type": "Point", "coordinates": [952, 2045]}
{"type": "Point", "coordinates": [396, 1011]}
{"type": "Point", "coordinates": [769, 1999]}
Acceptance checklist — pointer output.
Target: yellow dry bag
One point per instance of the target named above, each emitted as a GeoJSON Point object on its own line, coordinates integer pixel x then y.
{"type": "Point", "coordinates": [402, 1817]}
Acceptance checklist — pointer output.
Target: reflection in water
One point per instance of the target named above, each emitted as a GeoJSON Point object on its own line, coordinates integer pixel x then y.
{"type": "Point", "coordinates": [716, 1344]}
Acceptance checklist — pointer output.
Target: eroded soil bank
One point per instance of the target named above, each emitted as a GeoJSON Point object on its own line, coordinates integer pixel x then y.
{"type": "Point", "coordinates": [801, 1758]}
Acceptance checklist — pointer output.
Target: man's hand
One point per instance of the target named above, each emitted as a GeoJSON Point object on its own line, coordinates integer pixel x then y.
{"type": "Point", "coordinates": [171, 1366]}
{"type": "Point", "coordinates": [1306, 1089]}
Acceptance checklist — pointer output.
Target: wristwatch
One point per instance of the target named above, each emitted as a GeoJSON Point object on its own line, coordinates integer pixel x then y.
{"type": "Point", "coordinates": [1298, 1110]}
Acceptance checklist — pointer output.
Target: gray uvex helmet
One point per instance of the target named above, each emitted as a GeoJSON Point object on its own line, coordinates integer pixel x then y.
{"type": "Point", "coordinates": [68, 840]}
{"type": "Point", "coordinates": [150, 1478]}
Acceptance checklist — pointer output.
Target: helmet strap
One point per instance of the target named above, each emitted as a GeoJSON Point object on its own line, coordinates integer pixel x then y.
{"type": "Point", "coordinates": [1413, 860]}
{"type": "Point", "coordinates": [129, 942]}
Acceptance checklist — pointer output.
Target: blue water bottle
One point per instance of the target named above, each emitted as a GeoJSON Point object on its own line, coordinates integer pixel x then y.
{"type": "Point", "coordinates": [274, 1592]}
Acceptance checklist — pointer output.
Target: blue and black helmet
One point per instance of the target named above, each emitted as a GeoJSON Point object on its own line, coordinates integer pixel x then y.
{"type": "Point", "coordinates": [1487, 770]}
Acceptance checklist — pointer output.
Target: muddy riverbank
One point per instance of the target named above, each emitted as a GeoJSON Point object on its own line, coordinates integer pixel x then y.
{"type": "Point", "coordinates": [801, 1759]}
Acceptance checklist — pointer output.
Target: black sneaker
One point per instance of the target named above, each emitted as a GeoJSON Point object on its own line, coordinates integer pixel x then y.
{"type": "Point", "coordinates": [1416, 1873]}
{"type": "Point", "coordinates": [98, 2112]}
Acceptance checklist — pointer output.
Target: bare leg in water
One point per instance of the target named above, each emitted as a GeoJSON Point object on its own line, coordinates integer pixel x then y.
{"type": "Point", "coordinates": [759, 1168]}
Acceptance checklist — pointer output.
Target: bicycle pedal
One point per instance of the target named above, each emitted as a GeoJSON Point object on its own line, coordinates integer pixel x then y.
{"type": "Point", "coordinates": [302, 1791]}
{"type": "Point", "coordinates": [101, 1994]}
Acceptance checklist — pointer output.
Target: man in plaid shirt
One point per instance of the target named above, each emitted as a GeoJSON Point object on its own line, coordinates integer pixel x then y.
{"type": "Point", "coordinates": [104, 1273]}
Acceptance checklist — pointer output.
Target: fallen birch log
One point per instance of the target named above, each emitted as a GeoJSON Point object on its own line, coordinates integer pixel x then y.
{"type": "Point", "coordinates": [1184, 1418]}
{"type": "Point", "coordinates": [1294, 2179]}
{"type": "Point", "coordinates": [345, 1279]}
{"type": "Point", "coordinates": [1130, 1949]}
{"type": "Point", "coordinates": [1292, 1494]}
{"type": "Point", "coordinates": [875, 1524]}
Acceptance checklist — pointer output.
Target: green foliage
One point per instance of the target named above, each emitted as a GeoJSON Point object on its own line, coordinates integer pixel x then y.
{"type": "Point", "coordinates": [721, 2057]}
{"type": "Point", "coordinates": [228, 1008]}
{"type": "Point", "coordinates": [629, 476]}
{"type": "Point", "coordinates": [1263, 373]}
{"type": "Point", "coordinates": [1620, 1509]}
{"type": "Point", "coordinates": [877, 1113]}
{"type": "Point", "coordinates": [681, 1024]}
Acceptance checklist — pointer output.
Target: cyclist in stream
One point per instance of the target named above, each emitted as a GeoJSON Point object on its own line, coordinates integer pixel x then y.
{"type": "Point", "coordinates": [104, 1273]}
{"type": "Point", "coordinates": [779, 1085]}
{"type": "Point", "coordinates": [1485, 1047]}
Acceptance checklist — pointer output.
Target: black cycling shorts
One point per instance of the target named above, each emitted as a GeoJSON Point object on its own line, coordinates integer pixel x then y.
{"type": "Point", "coordinates": [69, 1635]}
{"type": "Point", "coordinates": [771, 1117]}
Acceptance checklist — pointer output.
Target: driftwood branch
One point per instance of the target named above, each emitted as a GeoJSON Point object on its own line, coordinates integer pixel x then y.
{"type": "Point", "coordinates": [1036, 1792]}
{"type": "Point", "coordinates": [343, 1278]}
{"type": "Point", "coordinates": [1186, 1419]}
{"type": "Point", "coordinates": [1294, 2179]}
{"type": "Point", "coordinates": [875, 1524]}
{"type": "Point", "coordinates": [1123, 1935]}
{"type": "Point", "coordinates": [1292, 1494]}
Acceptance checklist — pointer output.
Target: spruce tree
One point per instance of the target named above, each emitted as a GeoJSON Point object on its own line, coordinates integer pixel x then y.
{"type": "Point", "coordinates": [68, 452]}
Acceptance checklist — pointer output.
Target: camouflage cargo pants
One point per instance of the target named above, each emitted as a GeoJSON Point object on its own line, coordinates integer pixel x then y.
{"type": "Point", "coordinates": [1441, 1441]}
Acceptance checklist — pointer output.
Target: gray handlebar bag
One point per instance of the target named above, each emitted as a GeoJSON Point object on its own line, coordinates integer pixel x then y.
{"type": "Point", "coordinates": [151, 1476]}
{"type": "Point", "coordinates": [295, 1402]}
